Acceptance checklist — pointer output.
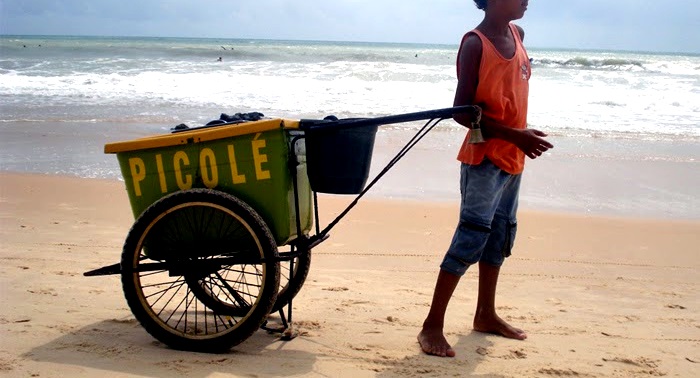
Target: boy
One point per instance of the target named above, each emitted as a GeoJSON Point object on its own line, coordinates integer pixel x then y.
{"type": "Point", "coordinates": [493, 71]}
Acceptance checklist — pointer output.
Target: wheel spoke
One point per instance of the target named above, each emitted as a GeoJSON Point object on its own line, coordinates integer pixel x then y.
{"type": "Point", "coordinates": [229, 290]}
{"type": "Point", "coordinates": [173, 285]}
{"type": "Point", "coordinates": [165, 306]}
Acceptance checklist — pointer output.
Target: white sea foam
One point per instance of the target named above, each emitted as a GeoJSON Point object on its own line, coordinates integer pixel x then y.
{"type": "Point", "coordinates": [591, 93]}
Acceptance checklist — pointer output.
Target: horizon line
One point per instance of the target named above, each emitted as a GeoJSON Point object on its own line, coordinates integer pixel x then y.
{"type": "Point", "coordinates": [659, 52]}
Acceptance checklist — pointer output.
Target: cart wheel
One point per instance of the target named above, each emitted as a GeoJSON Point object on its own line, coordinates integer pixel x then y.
{"type": "Point", "coordinates": [200, 270]}
{"type": "Point", "coordinates": [289, 288]}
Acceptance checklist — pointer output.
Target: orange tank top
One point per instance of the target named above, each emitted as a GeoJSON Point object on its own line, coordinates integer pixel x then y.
{"type": "Point", "coordinates": [502, 93]}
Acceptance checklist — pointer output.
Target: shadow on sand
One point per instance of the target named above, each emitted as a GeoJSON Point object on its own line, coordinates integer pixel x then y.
{"type": "Point", "coordinates": [124, 347]}
{"type": "Point", "coordinates": [472, 349]}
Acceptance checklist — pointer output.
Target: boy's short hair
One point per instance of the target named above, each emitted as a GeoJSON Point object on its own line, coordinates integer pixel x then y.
{"type": "Point", "coordinates": [481, 4]}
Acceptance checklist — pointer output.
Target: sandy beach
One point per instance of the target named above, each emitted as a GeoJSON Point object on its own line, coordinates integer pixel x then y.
{"type": "Point", "coordinates": [598, 296]}
{"type": "Point", "coordinates": [603, 276]}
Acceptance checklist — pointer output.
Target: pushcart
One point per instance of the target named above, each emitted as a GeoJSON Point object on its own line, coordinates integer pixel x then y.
{"type": "Point", "coordinates": [226, 217]}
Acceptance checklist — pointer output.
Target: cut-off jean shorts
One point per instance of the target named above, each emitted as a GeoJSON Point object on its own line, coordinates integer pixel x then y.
{"type": "Point", "coordinates": [487, 218]}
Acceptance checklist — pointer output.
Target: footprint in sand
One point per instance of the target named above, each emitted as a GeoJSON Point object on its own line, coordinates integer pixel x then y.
{"type": "Point", "coordinates": [123, 321]}
{"type": "Point", "coordinates": [555, 301]}
{"type": "Point", "coordinates": [63, 273]}
{"type": "Point", "coordinates": [51, 292]}
{"type": "Point", "coordinates": [518, 354]}
{"type": "Point", "coordinates": [355, 302]}
{"type": "Point", "coordinates": [641, 362]}
{"type": "Point", "coordinates": [482, 351]}
{"type": "Point", "coordinates": [360, 348]}
{"type": "Point", "coordinates": [336, 288]}
{"type": "Point", "coordinates": [6, 365]}
{"type": "Point", "coordinates": [527, 318]}
{"type": "Point", "coordinates": [390, 320]}
{"type": "Point", "coordinates": [626, 318]}
{"type": "Point", "coordinates": [307, 327]}
{"type": "Point", "coordinates": [308, 324]}
{"type": "Point", "coordinates": [647, 365]}
{"type": "Point", "coordinates": [562, 372]}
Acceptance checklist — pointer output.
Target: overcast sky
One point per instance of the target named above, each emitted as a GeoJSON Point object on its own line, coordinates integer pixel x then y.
{"type": "Point", "coordinates": [639, 25]}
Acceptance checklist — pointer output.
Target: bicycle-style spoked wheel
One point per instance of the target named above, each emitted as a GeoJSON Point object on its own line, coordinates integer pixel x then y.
{"type": "Point", "coordinates": [200, 270]}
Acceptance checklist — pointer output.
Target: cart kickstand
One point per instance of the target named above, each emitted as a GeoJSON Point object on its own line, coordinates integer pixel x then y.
{"type": "Point", "coordinates": [288, 333]}
{"type": "Point", "coordinates": [287, 330]}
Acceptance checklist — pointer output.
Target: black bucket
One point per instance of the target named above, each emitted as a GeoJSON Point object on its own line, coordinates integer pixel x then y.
{"type": "Point", "coordinates": [338, 159]}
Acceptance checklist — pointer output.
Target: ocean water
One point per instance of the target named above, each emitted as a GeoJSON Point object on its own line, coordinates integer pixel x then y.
{"type": "Point", "coordinates": [626, 125]}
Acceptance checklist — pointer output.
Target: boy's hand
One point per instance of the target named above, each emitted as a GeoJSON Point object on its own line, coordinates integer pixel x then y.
{"type": "Point", "coordinates": [531, 142]}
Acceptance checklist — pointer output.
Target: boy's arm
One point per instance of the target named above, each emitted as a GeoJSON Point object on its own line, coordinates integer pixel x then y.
{"type": "Point", "coordinates": [528, 140]}
{"type": "Point", "coordinates": [521, 31]}
{"type": "Point", "coordinates": [468, 76]}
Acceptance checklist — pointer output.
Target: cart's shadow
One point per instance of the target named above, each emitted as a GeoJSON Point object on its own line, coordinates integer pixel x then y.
{"type": "Point", "coordinates": [124, 347]}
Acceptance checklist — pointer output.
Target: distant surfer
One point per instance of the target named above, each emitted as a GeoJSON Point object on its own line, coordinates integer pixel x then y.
{"type": "Point", "coordinates": [220, 59]}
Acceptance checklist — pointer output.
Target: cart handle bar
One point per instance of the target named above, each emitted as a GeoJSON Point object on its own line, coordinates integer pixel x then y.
{"type": "Point", "coordinates": [386, 120]}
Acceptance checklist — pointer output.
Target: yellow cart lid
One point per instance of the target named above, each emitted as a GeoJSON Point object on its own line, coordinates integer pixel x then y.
{"type": "Point", "coordinates": [203, 134]}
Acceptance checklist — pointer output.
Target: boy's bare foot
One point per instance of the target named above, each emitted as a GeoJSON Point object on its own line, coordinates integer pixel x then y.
{"type": "Point", "coordinates": [498, 326]}
{"type": "Point", "coordinates": [433, 342]}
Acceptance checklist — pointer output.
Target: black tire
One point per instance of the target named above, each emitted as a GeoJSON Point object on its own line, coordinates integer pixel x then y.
{"type": "Point", "coordinates": [289, 288]}
{"type": "Point", "coordinates": [200, 270]}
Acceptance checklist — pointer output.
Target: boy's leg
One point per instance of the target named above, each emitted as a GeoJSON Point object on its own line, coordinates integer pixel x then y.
{"type": "Point", "coordinates": [481, 186]}
{"type": "Point", "coordinates": [485, 318]}
{"type": "Point", "coordinates": [498, 247]}
{"type": "Point", "coordinates": [431, 337]}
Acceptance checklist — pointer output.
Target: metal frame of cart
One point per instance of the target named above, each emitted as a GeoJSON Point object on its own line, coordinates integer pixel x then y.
{"type": "Point", "coordinates": [224, 216]}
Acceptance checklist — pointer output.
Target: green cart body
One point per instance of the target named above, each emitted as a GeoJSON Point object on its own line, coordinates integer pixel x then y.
{"type": "Point", "coordinates": [249, 161]}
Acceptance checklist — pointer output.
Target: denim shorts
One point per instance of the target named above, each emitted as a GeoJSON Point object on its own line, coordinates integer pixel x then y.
{"type": "Point", "coordinates": [487, 218]}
